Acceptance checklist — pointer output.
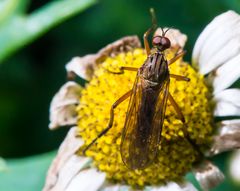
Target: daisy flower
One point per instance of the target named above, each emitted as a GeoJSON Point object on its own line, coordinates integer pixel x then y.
{"type": "Point", "coordinates": [208, 96]}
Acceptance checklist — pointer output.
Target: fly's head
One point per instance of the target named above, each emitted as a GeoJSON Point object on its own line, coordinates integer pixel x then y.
{"type": "Point", "coordinates": [161, 43]}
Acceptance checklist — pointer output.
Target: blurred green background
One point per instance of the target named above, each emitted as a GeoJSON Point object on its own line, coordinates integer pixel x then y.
{"type": "Point", "coordinates": [33, 69]}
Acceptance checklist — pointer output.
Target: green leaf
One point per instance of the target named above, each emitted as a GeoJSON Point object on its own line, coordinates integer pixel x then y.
{"type": "Point", "coordinates": [20, 30]}
{"type": "Point", "coordinates": [9, 8]}
{"type": "Point", "coordinates": [26, 174]}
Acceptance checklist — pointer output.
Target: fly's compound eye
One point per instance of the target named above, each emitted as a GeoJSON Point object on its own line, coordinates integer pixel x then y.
{"type": "Point", "coordinates": [156, 41]}
{"type": "Point", "coordinates": [161, 42]}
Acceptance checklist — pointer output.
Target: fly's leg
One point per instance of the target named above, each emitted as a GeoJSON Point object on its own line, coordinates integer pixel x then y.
{"type": "Point", "coordinates": [125, 68]}
{"type": "Point", "coordinates": [176, 107]}
{"type": "Point", "coordinates": [129, 68]}
{"type": "Point", "coordinates": [145, 39]}
{"type": "Point", "coordinates": [178, 77]}
{"type": "Point", "coordinates": [177, 47]}
{"type": "Point", "coordinates": [110, 123]}
{"type": "Point", "coordinates": [175, 58]}
{"type": "Point", "coordinates": [180, 115]}
{"type": "Point", "coordinates": [146, 34]}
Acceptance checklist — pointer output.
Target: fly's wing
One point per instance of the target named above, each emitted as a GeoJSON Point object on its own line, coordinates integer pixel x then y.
{"type": "Point", "coordinates": [142, 130]}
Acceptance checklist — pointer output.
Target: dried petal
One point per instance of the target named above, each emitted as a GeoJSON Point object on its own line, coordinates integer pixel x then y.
{"type": "Point", "coordinates": [227, 102]}
{"type": "Point", "coordinates": [218, 43]}
{"type": "Point", "coordinates": [85, 66]}
{"type": "Point", "coordinates": [208, 175]}
{"type": "Point", "coordinates": [82, 66]}
{"type": "Point", "coordinates": [228, 137]}
{"type": "Point", "coordinates": [63, 105]}
{"type": "Point", "coordinates": [66, 164]}
{"type": "Point", "coordinates": [175, 36]}
{"type": "Point", "coordinates": [124, 44]}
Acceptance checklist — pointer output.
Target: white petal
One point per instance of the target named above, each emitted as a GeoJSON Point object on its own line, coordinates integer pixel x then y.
{"type": "Point", "coordinates": [63, 105]}
{"type": "Point", "coordinates": [227, 138]}
{"type": "Point", "coordinates": [85, 66]}
{"type": "Point", "coordinates": [66, 157]}
{"type": "Point", "coordinates": [172, 186]}
{"type": "Point", "coordinates": [229, 126]}
{"type": "Point", "coordinates": [218, 43]}
{"type": "Point", "coordinates": [226, 75]}
{"type": "Point", "coordinates": [226, 109]}
{"type": "Point", "coordinates": [229, 95]}
{"type": "Point", "coordinates": [208, 175]}
{"type": "Point", "coordinates": [115, 187]}
{"type": "Point", "coordinates": [74, 166]}
{"type": "Point", "coordinates": [225, 52]}
{"type": "Point", "coordinates": [209, 29]}
{"type": "Point", "coordinates": [227, 102]}
{"type": "Point", "coordinates": [234, 167]}
{"type": "Point", "coordinates": [87, 180]}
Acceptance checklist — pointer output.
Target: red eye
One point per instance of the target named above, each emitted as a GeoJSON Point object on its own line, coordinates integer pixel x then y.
{"type": "Point", "coordinates": [161, 42]}
{"type": "Point", "coordinates": [165, 42]}
{"type": "Point", "coordinates": [156, 40]}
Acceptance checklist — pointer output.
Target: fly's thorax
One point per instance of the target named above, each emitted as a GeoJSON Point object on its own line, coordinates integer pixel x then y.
{"type": "Point", "coordinates": [155, 68]}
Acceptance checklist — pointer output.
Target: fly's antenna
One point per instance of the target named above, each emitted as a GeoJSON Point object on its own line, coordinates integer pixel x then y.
{"type": "Point", "coordinates": [164, 32]}
{"type": "Point", "coordinates": [154, 19]}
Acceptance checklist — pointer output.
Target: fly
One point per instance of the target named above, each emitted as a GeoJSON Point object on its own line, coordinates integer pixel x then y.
{"type": "Point", "coordinates": [141, 134]}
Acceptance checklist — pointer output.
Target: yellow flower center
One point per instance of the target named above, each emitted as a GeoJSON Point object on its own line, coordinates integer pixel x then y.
{"type": "Point", "coordinates": [176, 155]}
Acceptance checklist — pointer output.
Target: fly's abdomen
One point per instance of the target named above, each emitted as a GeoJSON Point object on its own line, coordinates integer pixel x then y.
{"type": "Point", "coordinates": [139, 148]}
{"type": "Point", "coordinates": [142, 129]}
{"type": "Point", "coordinates": [146, 113]}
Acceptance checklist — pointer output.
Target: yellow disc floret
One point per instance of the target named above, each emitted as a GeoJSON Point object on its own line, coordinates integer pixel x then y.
{"type": "Point", "coordinates": [176, 155]}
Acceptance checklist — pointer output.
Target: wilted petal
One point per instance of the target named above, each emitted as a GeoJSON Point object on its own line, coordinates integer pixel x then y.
{"type": "Point", "coordinates": [208, 175]}
{"type": "Point", "coordinates": [219, 42]}
{"type": "Point", "coordinates": [234, 167]}
{"type": "Point", "coordinates": [226, 75]}
{"type": "Point", "coordinates": [175, 36]}
{"type": "Point", "coordinates": [85, 66]}
{"type": "Point", "coordinates": [228, 137]}
{"type": "Point", "coordinates": [87, 180]}
{"type": "Point", "coordinates": [66, 164]}
{"type": "Point", "coordinates": [82, 66]}
{"type": "Point", "coordinates": [227, 102]}
{"type": "Point", "coordinates": [63, 105]}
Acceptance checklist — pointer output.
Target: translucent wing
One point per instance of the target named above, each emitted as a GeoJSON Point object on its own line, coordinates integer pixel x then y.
{"type": "Point", "coordinates": [142, 130]}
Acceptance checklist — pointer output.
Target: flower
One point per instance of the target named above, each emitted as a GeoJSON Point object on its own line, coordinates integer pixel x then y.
{"type": "Point", "coordinates": [200, 100]}
{"type": "Point", "coordinates": [105, 87]}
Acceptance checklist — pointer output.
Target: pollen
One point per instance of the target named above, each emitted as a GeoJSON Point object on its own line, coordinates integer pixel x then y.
{"type": "Point", "coordinates": [176, 154]}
